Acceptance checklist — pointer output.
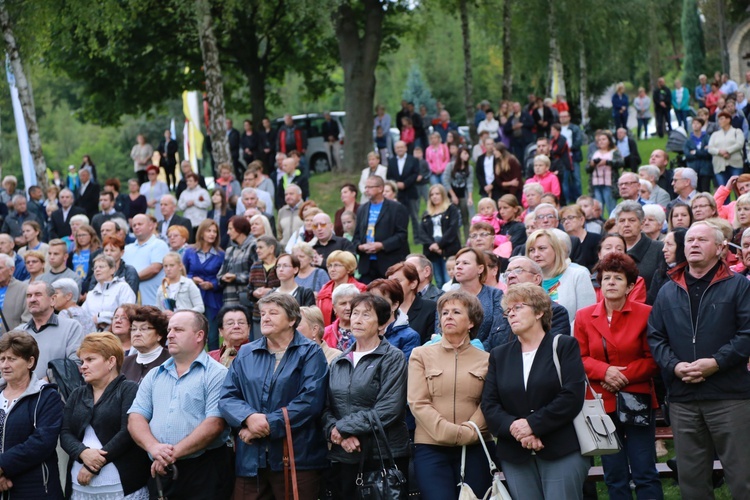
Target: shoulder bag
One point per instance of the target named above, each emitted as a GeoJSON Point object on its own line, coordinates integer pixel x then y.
{"type": "Point", "coordinates": [290, 468]}
{"type": "Point", "coordinates": [497, 491]}
{"type": "Point", "coordinates": [389, 482]}
{"type": "Point", "coordinates": [632, 408]}
{"type": "Point", "coordinates": [596, 432]}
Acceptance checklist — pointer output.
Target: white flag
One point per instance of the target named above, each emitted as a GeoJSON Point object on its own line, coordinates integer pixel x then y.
{"type": "Point", "coordinates": [27, 162]}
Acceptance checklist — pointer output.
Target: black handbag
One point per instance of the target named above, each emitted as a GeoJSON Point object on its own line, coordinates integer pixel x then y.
{"type": "Point", "coordinates": [632, 408]}
{"type": "Point", "coordinates": [389, 482]}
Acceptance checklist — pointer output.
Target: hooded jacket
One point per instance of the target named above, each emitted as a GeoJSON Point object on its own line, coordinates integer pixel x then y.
{"type": "Point", "coordinates": [401, 335]}
{"type": "Point", "coordinates": [28, 441]}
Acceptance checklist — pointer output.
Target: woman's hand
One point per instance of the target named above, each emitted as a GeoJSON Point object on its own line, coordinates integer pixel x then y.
{"type": "Point", "coordinates": [197, 280]}
{"type": "Point", "coordinates": [84, 477]}
{"type": "Point", "coordinates": [614, 377]}
{"type": "Point", "coordinates": [229, 277]}
{"type": "Point", "coordinates": [520, 429]}
{"type": "Point", "coordinates": [351, 444]}
{"type": "Point", "coordinates": [732, 181]}
{"type": "Point", "coordinates": [513, 182]}
{"type": "Point", "coordinates": [93, 459]}
{"type": "Point", "coordinates": [469, 201]}
{"type": "Point", "coordinates": [435, 248]}
{"type": "Point", "coordinates": [206, 285]}
{"type": "Point", "coordinates": [454, 199]}
{"type": "Point", "coordinates": [336, 437]}
{"type": "Point", "coordinates": [5, 484]}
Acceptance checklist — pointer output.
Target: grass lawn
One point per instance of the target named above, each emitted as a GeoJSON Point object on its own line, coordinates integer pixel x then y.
{"type": "Point", "coordinates": [325, 188]}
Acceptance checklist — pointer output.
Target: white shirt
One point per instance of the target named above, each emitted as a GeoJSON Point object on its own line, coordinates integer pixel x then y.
{"type": "Point", "coordinates": [489, 169]}
{"type": "Point", "coordinates": [401, 160]}
{"type": "Point", "coordinates": [528, 360]}
{"type": "Point", "coordinates": [356, 356]}
{"type": "Point", "coordinates": [567, 133]}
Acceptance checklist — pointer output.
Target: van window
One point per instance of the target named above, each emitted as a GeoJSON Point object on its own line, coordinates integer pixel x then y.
{"type": "Point", "coordinates": [315, 128]}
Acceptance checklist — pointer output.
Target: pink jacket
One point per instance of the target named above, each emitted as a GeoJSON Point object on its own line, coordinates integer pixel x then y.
{"type": "Point", "coordinates": [437, 158]}
{"type": "Point", "coordinates": [549, 183]}
{"type": "Point", "coordinates": [725, 211]}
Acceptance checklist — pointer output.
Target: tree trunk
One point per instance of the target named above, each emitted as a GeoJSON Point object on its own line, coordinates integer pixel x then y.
{"type": "Point", "coordinates": [25, 96]}
{"type": "Point", "coordinates": [214, 84]}
{"type": "Point", "coordinates": [507, 62]}
{"type": "Point", "coordinates": [360, 34]}
{"type": "Point", "coordinates": [556, 75]}
{"type": "Point", "coordinates": [583, 84]}
{"type": "Point", "coordinates": [723, 38]}
{"type": "Point", "coordinates": [654, 66]}
{"type": "Point", "coordinates": [463, 8]}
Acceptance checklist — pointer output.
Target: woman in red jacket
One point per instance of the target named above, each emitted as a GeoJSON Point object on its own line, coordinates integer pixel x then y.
{"type": "Point", "coordinates": [619, 365]}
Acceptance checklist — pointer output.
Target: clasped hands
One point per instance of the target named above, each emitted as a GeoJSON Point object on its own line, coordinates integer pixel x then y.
{"type": "Point", "coordinates": [697, 371]}
{"type": "Point", "coordinates": [350, 444]}
{"type": "Point", "coordinates": [614, 380]}
{"type": "Point", "coordinates": [5, 483]}
{"type": "Point", "coordinates": [93, 460]}
{"type": "Point", "coordinates": [521, 432]}
{"type": "Point", "coordinates": [256, 427]}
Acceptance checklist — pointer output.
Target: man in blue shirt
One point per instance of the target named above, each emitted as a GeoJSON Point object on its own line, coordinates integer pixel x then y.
{"type": "Point", "coordinates": [175, 416]}
{"type": "Point", "coordinates": [146, 256]}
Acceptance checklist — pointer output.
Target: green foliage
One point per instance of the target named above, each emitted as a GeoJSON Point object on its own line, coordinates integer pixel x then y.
{"type": "Point", "coordinates": [692, 39]}
{"type": "Point", "coordinates": [418, 91]}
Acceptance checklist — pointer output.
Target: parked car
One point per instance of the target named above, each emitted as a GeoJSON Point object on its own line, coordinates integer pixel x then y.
{"type": "Point", "coordinates": [316, 154]}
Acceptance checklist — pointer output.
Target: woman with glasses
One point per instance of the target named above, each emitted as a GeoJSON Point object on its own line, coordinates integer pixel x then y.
{"type": "Point", "coordinates": [263, 276]}
{"type": "Point", "coordinates": [338, 334]}
{"type": "Point", "coordinates": [341, 266]}
{"type": "Point", "coordinates": [87, 242]}
{"type": "Point", "coordinates": [526, 406]}
{"type": "Point", "coordinates": [574, 222]}
{"type": "Point", "coordinates": [309, 276]}
{"type": "Point", "coordinates": [148, 336]}
{"type": "Point", "coordinates": [121, 325]}
{"type": "Point", "coordinates": [235, 269]}
{"type": "Point", "coordinates": [703, 206]}
{"type": "Point", "coordinates": [234, 327]}
{"type": "Point", "coordinates": [287, 267]}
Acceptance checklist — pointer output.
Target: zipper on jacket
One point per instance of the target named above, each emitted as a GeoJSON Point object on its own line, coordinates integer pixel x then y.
{"type": "Point", "coordinates": [455, 384]}
{"type": "Point", "coordinates": [694, 326]}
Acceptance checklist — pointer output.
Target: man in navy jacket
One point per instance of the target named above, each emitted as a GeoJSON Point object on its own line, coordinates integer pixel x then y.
{"type": "Point", "coordinates": [404, 169]}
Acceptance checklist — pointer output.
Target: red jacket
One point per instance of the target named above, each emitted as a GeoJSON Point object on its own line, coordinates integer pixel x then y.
{"type": "Point", "coordinates": [627, 345]}
{"type": "Point", "coordinates": [325, 298]}
{"type": "Point", "coordinates": [298, 140]}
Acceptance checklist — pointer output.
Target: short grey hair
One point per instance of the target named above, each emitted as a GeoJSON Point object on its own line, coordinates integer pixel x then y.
{"type": "Point", "coordinates": [293, 187]}
{"type": "Point", "coordinates": [168, 197]}
{"type": "Point", "coordinates": [19, 197]}
{"type": "Point", "coordinates": [628, 174]}
{"type": "Point", "coordinates": [533, 186]}
{"type": "Point", "coordinates": [66, 190]}
{"type": "Point", "coordinates": [342, 291]}
{"type": "Point", "coordinates": [121, 223]}
{"type": "Point", "coordinates": [718, 233]}
{"type": "Point", "coordinates": [688, 173]}
{"type": "Point", "coordinates": [424, 262]}
{"type": "Point", "coordinates": [248, 190]}
{"type": "Point", "coordinates": [288, 303]}
{"type": "Point", "coordinates": [67, 286]}
{"type": "Point", "coordinates": [646, 184]}
{"type": "Point", "coordinates": [650, 170]}
{"type": "Point", "coordinates": [630, 206]}
{"type": "Point", "coordinates": [47, 287]}
{"type": "Point", "coordinates": [655, 211]}
{"type": "Point", "coordinates": [546, 206]}
{"type": "Point", "coordinates": [7, 261]}
{"type": "Point", "coordinates": [106, 259]}
{"type": "Point", "coordinates": [79, 218]}
{"type": "Point", "coordinates": [535, 268]}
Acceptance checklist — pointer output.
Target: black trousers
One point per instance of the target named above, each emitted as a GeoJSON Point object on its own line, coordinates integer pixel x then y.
{"type": "Point", "coordinates": [209, 476]}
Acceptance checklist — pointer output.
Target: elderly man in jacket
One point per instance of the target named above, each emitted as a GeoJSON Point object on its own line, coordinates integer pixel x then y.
{"type": "Point", "coordinates": [699, 334]}
{"type": "Point", "coordinates": [12, 296]}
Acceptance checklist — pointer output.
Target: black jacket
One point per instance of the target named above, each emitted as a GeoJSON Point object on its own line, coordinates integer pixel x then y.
{"type": "Point", "coordinates": [59, 227]}
{"type": "Point", "coordinates": [168, 154]}
{"type": "Point", "coordinates": [391, 229]}
{"type": "Point", "coordinates": [335, 243]}
{"type": "Point", "coordinates": [89, 200]}
{"type": "Point", "coordinates": [377, 386]}
{"type": "Point", "coordinates": [177, 220]}
{"type": "Point", "coordinates": [722, 332]}
{"type": "Point", "coordinates": [109, 419]}
{"type": "Point", "coordinates": [450, 242]}
{"type": "Point", "coordinates": [516, 231]}
{"type": "Point", "coordinates": [548, 407]}
{"type": "Point", "coordinates": [408, 177]}
{"type": "Point", "coordinates": [233, 137]}
{"type": "Point", "coordinates": [647, 254]}
{"type": "Point", "coordinates": [422, 317]}
{"type": "Point", "coordinates": [304, 296]}
{"type": "Point", "coordinates": [497, 188]}
{"type": "Point", "coordinates": [560, 325]}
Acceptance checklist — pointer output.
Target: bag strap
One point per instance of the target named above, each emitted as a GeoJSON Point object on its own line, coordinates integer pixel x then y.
{"type": "Point", "coordinates": [493, 467]}
{"type": "Point", "coordinates": [556, 360]}
{"type": "Point", "coordinates": [289, 458]}
{"type": "Point", "coordinates": [606, 354]}
{"type": "Point", "coordinates": [377, 426]}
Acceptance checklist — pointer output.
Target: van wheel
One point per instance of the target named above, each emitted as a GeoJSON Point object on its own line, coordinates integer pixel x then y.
{"type": "Point", "coordinates": [320, 164]}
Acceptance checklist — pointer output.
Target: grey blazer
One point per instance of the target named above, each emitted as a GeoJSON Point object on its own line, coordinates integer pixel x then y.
{"type": "Point", "coordinates": [14, 307]}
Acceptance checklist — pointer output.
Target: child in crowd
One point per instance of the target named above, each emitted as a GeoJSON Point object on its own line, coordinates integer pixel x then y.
{"type": "Point", "coordinates": [450, 266]}
{"type": "Point", "coordinates": [487, 212]}
{"type": "Point", "coordinates": [348, 221]}
{"type": "Point", "coordinates": [381, 143]}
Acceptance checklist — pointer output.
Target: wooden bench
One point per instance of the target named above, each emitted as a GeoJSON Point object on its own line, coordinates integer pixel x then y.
{"type": "Point", "coordinates": [596, 473]}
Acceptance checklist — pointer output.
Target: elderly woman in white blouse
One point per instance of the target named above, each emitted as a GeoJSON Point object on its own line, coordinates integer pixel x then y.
{"type": "Point", "coordinates": [194, 201]}
{"type": "Point", "coordinates": [108, 294]}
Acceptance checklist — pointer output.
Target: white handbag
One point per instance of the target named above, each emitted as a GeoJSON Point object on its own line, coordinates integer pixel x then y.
{"type": "Point", "coordinates": [497, 491]}
{"type": "Point", "coordinates": [597, 434]}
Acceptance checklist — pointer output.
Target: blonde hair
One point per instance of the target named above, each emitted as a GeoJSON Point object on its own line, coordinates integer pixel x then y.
{"type": "Point", "coordinates": [558, 247]}
{"type": "Point", "coordinates": [175, 256]}
{"type": "Point", "coordinates": [314, 317]}
{"type": "Point", "coordinates": [35, 253]}
{"type": "Point", "coordinates": [347, 259]}
{"type": "Point", "coordinates": [105, 344]}
{"type": "Point", "coordinates": [743, 200]}
{"type": "Point", "coordinates": [487, 201]}
{"type": "Point", "coordinates": [444, 205]}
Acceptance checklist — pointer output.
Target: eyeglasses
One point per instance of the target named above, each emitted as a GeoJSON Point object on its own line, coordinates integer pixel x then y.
{"type": "Point", "coordinates": [334, 265]}
{"type": "Point", "coordinates": [479, 235]}
{"type": "Point", "coordinates": [517, 272]}
{"type": "Point", "coordinates": [230, 324]}
{"type": "Point", "coordinates": [119, 317]}
{"type": "Point", "coordinates": [317, 225]}
{"type": "Point", "coordinates": [701, 206]}
{"type": "Point", "coordinates": [515, 309]}
{"type": "Point", "coordinates": [546, 217]}
{"type": "Point", "coordinates": [620, 184]}
{"type": "Point", "coordinates": [142, 329]}
{"type": "Point", "coordinates": [677, 179]}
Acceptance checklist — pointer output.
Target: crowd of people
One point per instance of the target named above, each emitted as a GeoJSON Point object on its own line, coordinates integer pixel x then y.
{"type": "Point", "coordinates": [208, 325]}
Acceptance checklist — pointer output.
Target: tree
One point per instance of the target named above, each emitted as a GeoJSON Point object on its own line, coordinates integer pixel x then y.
{"type": "Point", "coordinates": [556, 73]}
{"type": "Point", "coordinates": [361, 29]}
{"type": "Point", "coordinates": [692, 40]}
{"type": "Point", "coordinates": [507, 60]}
{"type": "Point", "coordinates": [463, 9]}
{"type": "Point", "coordinates": [417, 90]}
{"type": "Point", "coordinates": [24, 95]}
{"type": "Point", "coordinates": [214, 84]}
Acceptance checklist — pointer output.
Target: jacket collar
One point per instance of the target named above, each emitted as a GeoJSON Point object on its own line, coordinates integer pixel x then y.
{"type": "Point", "coordinates": [638, 251]}
{"type": "Point", "coordinates": [599, 317]}
{"type": "Point", "coordinates": [449, 347]}
{"type": "Point", "coordinates": [677, 274]}
{"type": "Point", "coordinates": [379, 350]}
{"type": "Point", "coordinates": [262, 343]}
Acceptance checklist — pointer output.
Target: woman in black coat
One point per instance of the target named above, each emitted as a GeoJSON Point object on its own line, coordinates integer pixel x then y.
{"type": "Point", "coordinates": [95, 433]}
{"type": "Point", "coordinates": [527, 407]}
{"type": "Point", "coordinates": [221, 214]}
{"type": "Point", "coordinates": [440, 224]}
